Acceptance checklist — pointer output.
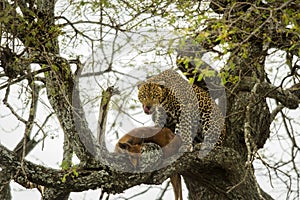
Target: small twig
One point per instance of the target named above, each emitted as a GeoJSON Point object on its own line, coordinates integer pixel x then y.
{"type": "Point", "coordinates": [31, 74]}
{"type": "Point", "coordinates": [102, 195]}
{"type": "Point", "coordinates": [276, 111]}
{"type": "Point", "coordinates": [41, 129]}
{"type": "Point", "coordinates": [239, 183]}
{"type": "Point", "coordinates": [136, 195]}
{"type": "Point", "coordinates": [163, 191]}
{"type": "Point", "coordinates": [29, 125]}
{"type": "Point", "coordinates": [5, 102]}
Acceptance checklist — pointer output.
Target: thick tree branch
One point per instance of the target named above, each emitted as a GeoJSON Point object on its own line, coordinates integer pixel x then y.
{"type": "Point", "coordinates": [115, 181]}
{"type": "Point", "coordinates": [264, 89]}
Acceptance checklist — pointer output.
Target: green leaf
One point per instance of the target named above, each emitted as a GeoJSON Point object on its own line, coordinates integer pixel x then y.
{"type": "Point", "coordinates": [64, 178]}
{"type": "Point", "coordinates": [191, 81]}
{"type": "Point", "coordinates": [75, 172]}
{"type": "Point", "coordinates": [65, 165]}
{"type": "Point", "coordinates": [200, 77]}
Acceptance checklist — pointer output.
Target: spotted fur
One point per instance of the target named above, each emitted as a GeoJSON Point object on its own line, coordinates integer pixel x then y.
{"type": "Point", "coordinates": [186, 109]}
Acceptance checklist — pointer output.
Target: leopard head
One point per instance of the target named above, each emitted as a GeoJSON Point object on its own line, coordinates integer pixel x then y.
{"type": "Point", "coordinates": [150, 95]}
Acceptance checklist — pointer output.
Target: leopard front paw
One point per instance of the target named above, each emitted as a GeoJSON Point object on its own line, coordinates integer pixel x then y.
{"type": "Point", "coordinates": [186, 148]}
{"type": "Point", "coordinates": [204, 149]}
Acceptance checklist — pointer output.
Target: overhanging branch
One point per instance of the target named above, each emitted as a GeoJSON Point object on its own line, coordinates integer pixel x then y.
{"type": "Point", "coordinates": [286, 97]}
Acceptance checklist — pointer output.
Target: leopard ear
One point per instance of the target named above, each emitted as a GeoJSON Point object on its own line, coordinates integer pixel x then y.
{"type": "Point", "coordinates": [139, 84]}
{"type": "Point", "coordinates": [161, 83]}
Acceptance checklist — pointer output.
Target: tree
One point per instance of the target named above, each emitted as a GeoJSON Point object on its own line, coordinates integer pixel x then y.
{"type": "Point", "coordinates": [39, 52]}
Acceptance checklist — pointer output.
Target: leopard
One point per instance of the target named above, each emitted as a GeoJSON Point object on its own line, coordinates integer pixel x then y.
{"type": "Point", "coordinates": [187, 109]}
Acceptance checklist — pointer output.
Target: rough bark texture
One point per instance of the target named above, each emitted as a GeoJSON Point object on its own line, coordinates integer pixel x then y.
{"type": "Point", "coordinates": [226, 173]}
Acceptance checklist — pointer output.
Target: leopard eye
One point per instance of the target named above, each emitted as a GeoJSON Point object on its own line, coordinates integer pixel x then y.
{"type": "Point", "coordinates": [155, 97]}
{"type": "Point", "coordinates": [143, 97]}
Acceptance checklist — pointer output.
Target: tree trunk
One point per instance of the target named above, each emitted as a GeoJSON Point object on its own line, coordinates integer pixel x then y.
{"type": "Point", "coordinates": [5, 191]}
{"type": "Point", "coordinates": [247, 128]}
